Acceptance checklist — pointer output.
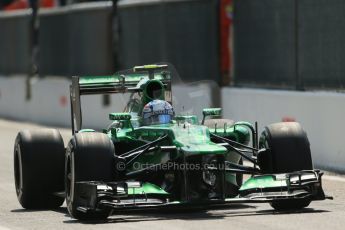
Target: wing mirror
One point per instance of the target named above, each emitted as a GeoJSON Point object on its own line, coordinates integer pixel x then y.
{"type": "Point", "coordinates": [125, 118]}
{"type": "Point", "coordinates": [120, 116]}
{"type": "Point", "coordinates": [214, 112]}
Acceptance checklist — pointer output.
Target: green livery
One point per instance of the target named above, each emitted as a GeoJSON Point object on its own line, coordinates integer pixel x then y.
{"type": "Point", "coordinates": [151, 157]}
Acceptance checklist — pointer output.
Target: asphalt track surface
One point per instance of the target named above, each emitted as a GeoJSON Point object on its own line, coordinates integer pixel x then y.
{"type": "Point", "coordinates": [328, 214]}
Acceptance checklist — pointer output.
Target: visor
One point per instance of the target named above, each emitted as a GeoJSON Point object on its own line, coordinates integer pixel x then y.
{"type": "Point", "coordinates": [157, 119]}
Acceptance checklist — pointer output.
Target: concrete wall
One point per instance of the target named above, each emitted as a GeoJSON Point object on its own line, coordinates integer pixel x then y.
{"type": "Point", "coordinates": [321, 114]}
{"type": "Point", "coordinates": [50, 103]}
{"type": "Point", "coordinates": [12, 97]}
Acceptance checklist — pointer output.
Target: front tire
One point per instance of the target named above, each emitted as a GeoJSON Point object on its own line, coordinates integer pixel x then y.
{"type": "Point", "coordinates": [39, 168]}
{"type": "Point", "coordinates": [89, 157]}
{"type": "Point", "coordinates": [288, 150]}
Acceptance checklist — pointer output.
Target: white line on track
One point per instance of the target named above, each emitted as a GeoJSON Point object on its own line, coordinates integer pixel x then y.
{"type": "Point", "coordinates": [333, 178]}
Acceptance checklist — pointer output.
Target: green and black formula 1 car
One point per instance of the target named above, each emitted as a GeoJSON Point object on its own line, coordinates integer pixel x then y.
{"type": "Point", "coordinates": [149, 157]}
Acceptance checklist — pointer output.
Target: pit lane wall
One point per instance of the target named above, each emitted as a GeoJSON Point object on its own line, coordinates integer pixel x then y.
{"type": "Point", "coordinates": [321, 114]}
{"type": "Point", "coordinates": [49, 102]}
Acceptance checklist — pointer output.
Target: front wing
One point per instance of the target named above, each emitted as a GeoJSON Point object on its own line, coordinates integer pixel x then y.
{"type": "Point", "coordinates": [300, 185]}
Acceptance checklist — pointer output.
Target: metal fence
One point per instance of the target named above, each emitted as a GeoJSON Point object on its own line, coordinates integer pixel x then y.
{"type": "Point", "coordinates": [76, 40]}
{"type": "Point", "coordinates": [53, 39]}
{"type": "Point", "coordinates": [15, 42]}
{"type": "Point", "coordinates": [294, 44]}
{"type": "Point", "coordinates": [184, 33]}
{"type": "Point", "coordinates": [264, 42]}
{"type": "Point", "coordinates": [89, 39]}
{"type": "Point", "coordinates": [321, 46]}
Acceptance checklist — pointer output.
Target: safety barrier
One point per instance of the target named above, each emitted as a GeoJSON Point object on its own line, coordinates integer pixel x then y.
{"type": "Point", "coordinates": [50, 102]}
{"type": "Point", "coordinates": [15, 42]}
{"type": "Point", "coordinates": [12, 97]}
{"type": "Point", "coordinates": [183, 32]}
{"type": "Point", "coordinates": [76, 40]}
{"type": "Point", "coordinates": [321, 114]}
{"type": "Point", "coordinates": [290, 44]}
{"type": "Point", "coordinates": [277, 43]}
{"type": "Point", "coordinates": [90, 39]}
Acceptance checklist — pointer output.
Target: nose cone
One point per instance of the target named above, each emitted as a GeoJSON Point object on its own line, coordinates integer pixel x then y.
{"type": "Point", "coordinates": [195, 139]}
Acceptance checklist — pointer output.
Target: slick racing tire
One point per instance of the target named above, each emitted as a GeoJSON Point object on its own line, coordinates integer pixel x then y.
{"type": "Point", "coordinates": [39, 168]}
{"type": "Point", "coordinates": [289, 204]}
{"type": "Point", "coordinates": [287, 150]}
{"type": "Point", "coordinates": [89, 157]}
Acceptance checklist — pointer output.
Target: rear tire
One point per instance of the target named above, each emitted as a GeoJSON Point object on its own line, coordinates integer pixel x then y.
{"type": "Point", "coordinates": [39, 168]}
{"type": "Point", "coordinates": [288, 150]}
{"type": "Point", "coordinates": [89, 157]}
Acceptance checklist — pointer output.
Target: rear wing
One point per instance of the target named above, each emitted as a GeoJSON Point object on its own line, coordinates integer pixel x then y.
{"type": "Point", "coordinates": [124, 82]}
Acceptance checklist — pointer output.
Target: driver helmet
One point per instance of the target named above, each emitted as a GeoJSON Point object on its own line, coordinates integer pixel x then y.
{"type": "Point", "coordinates": [157, 112]}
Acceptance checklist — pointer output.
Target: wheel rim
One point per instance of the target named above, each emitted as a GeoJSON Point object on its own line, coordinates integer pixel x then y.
{"type": "Point", "coordinates": [68, 177]}
{"type": "Point", "coordinates": [18, 174]}
{"type": "Point", "coordinates": [69, 189]}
